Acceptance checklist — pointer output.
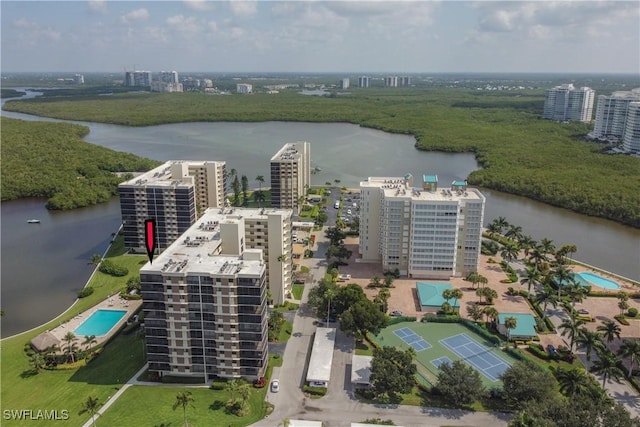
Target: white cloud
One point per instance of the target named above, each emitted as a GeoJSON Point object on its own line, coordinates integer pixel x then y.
{"type": "Point", "coordinates": [99, 6]}
{"type": "Point", "coordinates": [242, 8]}
{"type": "Point", "coordinates": [136, 15]}
{"type": "Point", "coordinates": [198, 5]}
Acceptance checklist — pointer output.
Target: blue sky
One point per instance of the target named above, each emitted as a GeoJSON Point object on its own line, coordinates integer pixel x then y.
{"type": "Point", "coordinates": [320, 36]}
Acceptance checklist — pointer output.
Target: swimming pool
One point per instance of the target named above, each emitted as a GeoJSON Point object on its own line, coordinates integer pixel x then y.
{"type": "Point", "coordinates": [599, 281]}
{"type": "Point", "coordinates": [100, 322]}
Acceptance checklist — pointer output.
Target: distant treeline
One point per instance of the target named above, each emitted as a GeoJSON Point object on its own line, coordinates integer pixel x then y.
{"type": "Point", "coordinates": [44, 159]}
{"type": "Point", "coordinates": [11, 93]}
{"type": "Point", "coordinates": [519, 152]}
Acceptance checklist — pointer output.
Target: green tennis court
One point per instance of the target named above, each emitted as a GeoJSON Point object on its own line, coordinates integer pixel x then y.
{"type": "Point", "coordinates": [442, 338]}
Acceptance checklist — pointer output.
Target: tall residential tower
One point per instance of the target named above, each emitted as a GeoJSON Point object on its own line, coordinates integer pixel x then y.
{"type": "Point", "coordinates": [290, 175]}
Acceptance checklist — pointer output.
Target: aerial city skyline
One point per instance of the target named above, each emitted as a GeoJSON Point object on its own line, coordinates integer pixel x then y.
{"type": "Point", "coordinates": [408, 37]}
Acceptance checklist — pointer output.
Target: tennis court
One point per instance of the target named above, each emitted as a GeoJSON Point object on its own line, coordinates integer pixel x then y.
{"type": "Point", "coordinates": [411, 338]}
{"type": "Point", "coordinates": [476, 355]}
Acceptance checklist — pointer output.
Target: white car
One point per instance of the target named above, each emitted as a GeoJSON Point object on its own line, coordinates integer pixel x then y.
{"type": "Point", "coordinates": [348, 211]}
{"type": "Point", "coordinates": [275, 386]}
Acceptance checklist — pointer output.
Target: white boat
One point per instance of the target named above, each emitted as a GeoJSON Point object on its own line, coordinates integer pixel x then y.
{"type": "Point", "coordinates": [34, 221]}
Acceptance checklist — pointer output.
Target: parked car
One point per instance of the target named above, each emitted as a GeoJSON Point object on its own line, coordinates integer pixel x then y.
{"type": "Point", "coordinates": [330, 319]}
{"type": "Point", "coordinates": [275, 386]}
{"type": "Point", "coordinates": [583, 311]}
{"type": "Point", "coordinates": [396, 313]}
{"type": "Point", "coordinates": [348, 211]}
{"type": "Point", "coordinates": [552, 350]}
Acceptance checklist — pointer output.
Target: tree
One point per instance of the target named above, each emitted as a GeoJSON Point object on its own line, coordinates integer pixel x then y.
{"type": "Point", "coordinates": [571, 381]}
{"type": "Point", "coordinates": [473, 278]}
{"type": "Point", "coordinates": [546, 246]}
{"type": "Point", "coordinates": [388, 280]}
{"type": "Point", "coordinates": [623, 306]}
{"type": "Point", "coordinates": [482, 280]}
{"type": "Point", "coordinates": [318, 296]}
{"type": "Point", "coordinates": [245, 392]}
{"type": "Point", "coordinates": [91, 405]}
{"type": "Point", "coordinates": [475, 312]}
{"type": "Point", "coordinates": [501, 223]}
{"type": "Point", "coordinates": [514, 232]}
{"type": "Point", "coordinates": [526, 244]}
{"type": "Point", "coordinates": [630, 348]}
{"type": "Point", "coordinates": [510, 323]}
{"type": "Point", "coordinates": [392, 371]}
{"type": "Point", "coordinates": [446, 295]}
{"type": "Point", "coordinates": [570, 327]}
{"type": "Point", "coordinates": [525, 381]}
{"type": "Point", "coordinates": [493, 229]}
{"type": "Point", "coordinates": [88, 340]}
{"type": "Point", "coordinates": [260, 179]}
{"type": "Point", "coordinates": [545, 297]}
{"type": "Point", "coordinates": [490, 294]}
{"type": "Point", "coordinates": [37, 362]}
{"type": "Point", "coordinates": [236, 191]}
{"type": "Point", "coordinates": [245, 190]}
{"type": "Point", "coordinates": [481, 293]}
{"type": "Point", "coordinates": [491, 313]}
{"type": "Point", "coordinates": [460, 383]}
{"type": "Point", "coordinates": [537, 257]}
{"type": "Point", "coordinates": [589, 341]}
{"type": "Point", "coordinates": [562, 275]}
{"type": "Point", "coordinates": [362, 317]}
{"type": "Point", "coordinates": [347, 296]}
{"type": "Point", "coordinates": [71, 347]}
{"type": "Point", "coordinates": [609, 330]}
{"type": "Point", "coordinates": [608, 366]}
{"type": "Point", "coordinates": [575, 291]}
{"type": "Point", "coordinates": [382, 299]}
{"type": "Point", "coordinates": [329, 294]}
{"type": "Point", "coordinates": [375, 282]}
{"type": "Point", "coordinates": [259, 197]}
{"type": "Point", "coordinates": [510, 252]}
{"type": "Point", "coordinates": [456, 294]}
{"type": "Point", "coordinates": [335, 236]}
{"type": "Point", "coordinates": [334, 274]}
{"type": "Point", "coordinates": [532, 278]}
{"type": "Point", "coordinates": [184, 399]}
{"type": "Point", "coordinates": [95, 260]}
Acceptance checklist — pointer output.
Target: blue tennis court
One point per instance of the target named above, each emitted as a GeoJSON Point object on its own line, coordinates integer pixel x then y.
{"type": "Point", "coordinates": [476, 355]}
{"type": "Point", "coordinates": [440, 361]}
{"type": "Point", "coordinates": [412, 339]}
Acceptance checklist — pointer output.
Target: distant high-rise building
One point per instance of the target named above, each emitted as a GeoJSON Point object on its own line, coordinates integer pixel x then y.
{"type": "Point", "coordinates": [565, 102]}
{"type": "Point", "coordinates": [158, 86]}
{"type": "Point", "coordinates": [404, 81]}
{"type": "Point", "coordinates": [364, 81]}
{"type": "Point", "coordinates": [244, 88]}
{"type": "Point", "coordinates": [172, 195]}
{"type": "Point", "coordinates": [631, 135]}
{"type": "Point", "coordinates": [424, 232]}
{"type": "Point", "coordinates": [169, 77]}
{"type": "Point", "coordinates": [391, 81]}
{"type": "Point", "coordinates": [138, 78]}
{"type": "Point", "coordinates": [613, 115]}
{"type": "Point", "coordinates": [78, 79]}
{"type": "Point", "coordinates": [290, 175]}
{"type": "Point", "coordinates": [344, 83]}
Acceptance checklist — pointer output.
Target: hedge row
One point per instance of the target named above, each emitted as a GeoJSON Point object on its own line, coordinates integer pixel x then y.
{"type": "Point", "coordinates": [538, 311]}
{"type": "Point", "coordinates": [317, 391]}
{"type": "Point", "coordinates": [633, 295]}
{"type": "Point", "coordinates": [400, 319]}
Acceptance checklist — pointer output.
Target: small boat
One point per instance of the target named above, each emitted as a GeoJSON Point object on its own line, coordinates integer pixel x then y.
{"type": "Point", "coordinates": [34, 221]}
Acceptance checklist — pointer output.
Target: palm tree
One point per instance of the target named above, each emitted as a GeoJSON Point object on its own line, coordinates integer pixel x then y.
{"type": "Point", "coordinates": [546, 296]}
{"type": "Point", "coordinates": [493, 229]}
{"type": "Point", "coordinates": [71, 348]}
{"type": "Point", "coordinates": [480, 292]}
{"type": "Point", "coordinates": [527, 243]}
{"type": "Point", "coordinates": [91, 405]}
{"type": "Point", "coordinates": [382, 298]}
{"type": "Point", "coordinates": [514, 232]}
{"type": "Point", "coordinates": [37, 362]}
{"type": "Point", "coordinates": [490, 294]}
{"type": "Point", "coordinates": [608, 366]}
{"type": "Point", "coordinates": [537, 257]}
{"type": "Point", "coordinates": [329, 294]}
{"type": "Point", "coordinates": [589, 341]}
{"type": "Point", "coordinates": [630, 348]}
{"type": "Point", "coordinates": [184, 399]}
{"type": "Point", "coordinates": [388, 280]}
{"type": "Point", "coordinates": [88, 340]}
{"type": "Point", "coordinates": [482, 280]}
{"type": "Point", "coordinates": [456, 294]}
{"type": "Point", "coordinates": [473, 278]}
{"type": "Point", "coordinates": [532, 278]}
{"type": "Point", "coordinates": [609, 330]}
{"type": "Point", "coordinates": [546, 246]}
{"type": "Point", "coordinates": [95, 260]}
{"type": "Point", "coordinates": [562, 275]}
{"type": "Point", "coordinates": [260, 179]}
{"type": "Point", "coordinates": [510, 323]}
{"type": "Point", "coordinates": [259, 197]}
{"type": "Point", "coordinates": [570, 326]}
{"type": "Point", "coordinates": [475, 312]}
{"type": "Point", "coordinates": [501, 222]}
{"type": "Point", "coordinates": [571, 381]}
{"type": "Point", "coordinates": [623, 305]}
{"type": "Point", "coordinates": [446, 294]}
{"type": "Point", "coordinates": [576, 292]}
{"type": "Point", "coordinates": [491, 313]}
{"type": "Point", "coordinates": [510, 252]}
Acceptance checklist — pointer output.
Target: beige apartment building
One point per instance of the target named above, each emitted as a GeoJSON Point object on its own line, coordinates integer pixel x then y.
{"type": "Point", "coordinates": [290, 175]}
{"type": "Point", "coordinates": [424, 232]}
{"type": "Point", "coordinates": [174, 195]}
{"type": "Point", "coordinates": [205, 304]}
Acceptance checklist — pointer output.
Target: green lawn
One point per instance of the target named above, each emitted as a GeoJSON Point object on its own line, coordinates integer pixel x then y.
{"type": "Point", "coordinates": [297, 291]}
{"type": "Point", "coordinates": [67, 389]}
{"type": "Point", "coordinates": [285, 331]}
{"type": "Point", "coordinates": [363, 348]}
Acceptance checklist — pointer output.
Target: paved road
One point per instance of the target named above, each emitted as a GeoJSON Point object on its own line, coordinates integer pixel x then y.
{"type": "Point", "coordinates": [339, 407]}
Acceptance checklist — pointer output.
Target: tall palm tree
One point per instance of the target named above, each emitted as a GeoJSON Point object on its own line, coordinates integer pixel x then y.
{"type": "Point", "coordinates": [447, 294]}
{"type": "Point", "coordinates": [630, 348]}
{"type": "Point", "coordinates": [537, 257]}
{"type": "Point", "coordinates": [382, 299]}
{"type": "Point", "coordinates": [589, 341]}
{"type": "Point", "coordinates": [501, 222]}
{"type": "Point", "coordinates": [609, 330]}
{"type": "Point", "coordinates": [456, 294]}
{"type": "Point", "coordinates": [91, 405]}
{"type": "Point", "coordinates": [475, 312]}
{"type": "Point", "coordinates": [570, 327]}
{"type": "Point", "coordinates": [473, 278]}
{"type": "Point", "coordinates": [260, 179]}
{"type": "Point", "coordinates": [184, 399]}
{"type": "Point", "coordinates": [510, 252]}
{"type": "Point", "coordinates": [608, 366]}
{"type": "Point", "coordinates": [329, 294]}
{"type": "Point", "coordinates": [493, 229]}
{"type": "Point", "coordinates": [88, 340]}
{"type": "Point", "coordinates": [259, 197]}
{"type": "Point", "coordinates": [95, 260]}
{"type": "Point", "coordinates": [575, 291]}
{"type": "Point", "coordinates": [561, 275]}
{"type": "Point", "coordinates": [546, 296]}
{"type": "Point", "coordinates": [480, 292]}
{"type": "Point", "coordinates": [527, 243]}
{"type": "Point", "coordinates": [491, 313]}
{"type": "Point", "coordinates": [482, 280]}
{"type": "Point", "coordinates": [510, 323]}
{"type": "Point", "coordinates": [546, 246]}
{"type": "Point", "coordinates": [71, 347]}
{"type": "Point", "coordinates": [531, 278]}
{"type": "Point", "coordinates": [37, 362]}
{"type": "Point", "coordinates": [571, 381]}
{"type": "Point", "coordinates": [514, 232]}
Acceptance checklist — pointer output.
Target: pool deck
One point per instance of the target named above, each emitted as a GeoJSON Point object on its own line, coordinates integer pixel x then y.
{"type": "Point", "coordinates": [114, 302]}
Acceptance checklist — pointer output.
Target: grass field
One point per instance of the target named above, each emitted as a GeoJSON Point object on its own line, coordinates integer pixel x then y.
{"type": "Point", "coordinates": [433, 333]}
{"type": "Point", "coordinates": [68, 389]}
{"type": "Point", "coordinates": [297, 291]}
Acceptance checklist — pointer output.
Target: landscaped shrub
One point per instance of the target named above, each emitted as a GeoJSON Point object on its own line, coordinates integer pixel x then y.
{"type": "Point", "coordinates": [108, 267]}
{"type": "Point", "coordinates": [400, 319]}
{"type": "Point", "coordinates": [633, 312]}
{"type": "Point", "coordinates": [71, 366]}
{"type": "Point", "coordinates": [620, 318]}
{"type": "Point", "coordinates": [317, 391]}
{"type": "Point", "coordinates": [85, 292]}
{"type": "Point", "coordinates": [539, 352]}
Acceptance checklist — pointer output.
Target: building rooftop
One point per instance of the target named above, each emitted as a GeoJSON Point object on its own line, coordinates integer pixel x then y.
{"type": "Point", "coordinates": [430, 178]}
{"type": "Point", "coordinates": [361, 369]}
{"type": "Point", "coordinates": [289, 152]}
{"type": "Point", "coordinates": [322, 355]}
{"type": "Point", "coordinates": [162, 176]}
{"type": "Point", "coordinates": [400, 187]}
{"type": "Point", "coordinates": [219, 214]}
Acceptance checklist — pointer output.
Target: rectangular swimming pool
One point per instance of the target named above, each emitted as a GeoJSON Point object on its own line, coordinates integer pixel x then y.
{"type": "Point", "coordinates": [100, 323]}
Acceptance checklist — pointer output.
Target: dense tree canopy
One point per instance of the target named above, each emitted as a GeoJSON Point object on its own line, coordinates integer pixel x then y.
{"type": "Point", "coordinates": [362, 317]}
{"type": "Point", "coordinates": [525, 381]}
{"type": "Point", "coordinates": [392, 371]}
{"type": "Point", "coordinates": [460, 383]}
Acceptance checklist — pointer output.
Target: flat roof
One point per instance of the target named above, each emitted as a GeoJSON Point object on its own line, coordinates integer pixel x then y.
{"type": "Point", "coordinates": [162, 176]}
{"type": "Point", "coordinates": [365, 425]}
{"type": "Point", "coordinates": [304, 423]}
{"type": "Point", "coordinates": [289, 152]}
{"type": "Point", "coordinates": [525, 324]}
{"type": "Point", "coordinates": [219, 214]}
{"type": "Point", "coordinates": [361, 369]}
{"type": "Point", "coordinates": [430, 294]}
{"type": "Point", "coordinates": [322, 355]}
{"type": "Point", "coordinates": [398, 187]}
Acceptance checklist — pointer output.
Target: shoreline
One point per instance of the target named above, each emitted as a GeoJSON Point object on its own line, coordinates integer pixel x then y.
{"type": "Point", "coordinates": [74, 302]}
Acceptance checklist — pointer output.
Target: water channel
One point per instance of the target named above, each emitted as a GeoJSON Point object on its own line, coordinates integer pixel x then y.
{"type": "Point", "coordinates": [43, 265]}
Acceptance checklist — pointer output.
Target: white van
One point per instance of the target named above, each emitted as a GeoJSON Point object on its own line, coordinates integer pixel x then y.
{"type": "Point", "coordinates": [337, 205]}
